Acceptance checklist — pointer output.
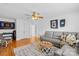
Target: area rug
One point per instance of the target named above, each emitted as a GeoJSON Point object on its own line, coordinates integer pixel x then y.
{"type": "Point", "coordinates": [31, 50]}
{"type": "Point", "coordinates": [28, 50]}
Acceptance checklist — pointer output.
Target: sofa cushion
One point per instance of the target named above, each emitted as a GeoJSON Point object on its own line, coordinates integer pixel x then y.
{"type": "Point", "coordinates": [77, 36]}
{"type": "Point", "coordinates": [66, 50]}
{"type": "Point", "coordinates": [44, 38]}
{"type": "Point", "coordinates": [49, 34]}
{"type": "Point", "coordinates": [55, 37]}
{"type": "Point", "coordinates": [55, 41]}
{"type": "Point", "coordinates": [50, 39]}
{"type": "Point", "coordinates": [66, 33]}
{"type": "Point", "coordinates": [73, 33]}
{"type": "Point", "coordinates": [69, 51]}
{"type": "Point", "coordinates": [57, 34]}
{"type": "Point", "coordinates": [59, 52]}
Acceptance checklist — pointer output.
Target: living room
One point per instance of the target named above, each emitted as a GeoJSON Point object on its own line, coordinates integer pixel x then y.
{"type": "Point", "coordinates": [44, 26]}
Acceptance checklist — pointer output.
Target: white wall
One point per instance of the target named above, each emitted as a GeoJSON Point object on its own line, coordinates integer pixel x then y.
{"type": "Point", "coordinates": [8, 20]}
{"type": "Point", "coordinates": [23, 29]}
{"type": "Point", "coordinates": [72, 24]}
{"type": "Point", "coordinates": [24, 26]}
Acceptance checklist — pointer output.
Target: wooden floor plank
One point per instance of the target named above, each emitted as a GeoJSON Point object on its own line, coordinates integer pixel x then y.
{"type": "Point", "coordinates": [8, 51]}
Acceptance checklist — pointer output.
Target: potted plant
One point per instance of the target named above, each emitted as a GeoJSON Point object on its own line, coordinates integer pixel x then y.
{"type": "Point", "coordinates": [3, 43]}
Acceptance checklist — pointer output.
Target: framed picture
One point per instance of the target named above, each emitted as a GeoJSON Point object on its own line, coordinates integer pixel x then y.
{"type": "Point", "coordinates": [62, 22]}
{"type": "Point", "coordinates": [7, 25]}
{"type": "Point", "coordinates": [54, 24]}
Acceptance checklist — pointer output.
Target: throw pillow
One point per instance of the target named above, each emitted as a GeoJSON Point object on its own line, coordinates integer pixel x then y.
{"type": "Point", "coordinates": [71, 39]}
{"type": "Point", "coordinates": [63, 37]}
{"type": "Point", "coordinates": [68, 38]}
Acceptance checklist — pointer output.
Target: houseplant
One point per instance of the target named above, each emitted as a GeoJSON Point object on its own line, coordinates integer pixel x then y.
{"type": "Point", "coordinates": [3, 43]}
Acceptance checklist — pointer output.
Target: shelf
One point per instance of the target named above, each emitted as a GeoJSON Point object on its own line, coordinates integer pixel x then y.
{"type": "Point", "coordinates": [6, 35]}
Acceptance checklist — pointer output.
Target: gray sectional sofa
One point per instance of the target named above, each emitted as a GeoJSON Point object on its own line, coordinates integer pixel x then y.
{"type": "Point", "coordinates": [54, 36]}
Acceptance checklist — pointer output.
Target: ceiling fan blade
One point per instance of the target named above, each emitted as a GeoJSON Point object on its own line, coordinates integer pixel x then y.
{"type": "Point", "coordinates": [27, 15]}
{"type": "Point", "coordinates": [34, 15]}
{"type": "Point", "coordinates": [41, 17]}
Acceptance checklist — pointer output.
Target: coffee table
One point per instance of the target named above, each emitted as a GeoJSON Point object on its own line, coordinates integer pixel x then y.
{"type": "Point", "coordinates": [46, 47]}
{"type": "Point", "coordinates": [46, 44]}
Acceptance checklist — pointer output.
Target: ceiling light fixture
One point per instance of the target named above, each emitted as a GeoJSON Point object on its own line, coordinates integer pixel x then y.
{"type": "Point", "coordinates": [36, 16]}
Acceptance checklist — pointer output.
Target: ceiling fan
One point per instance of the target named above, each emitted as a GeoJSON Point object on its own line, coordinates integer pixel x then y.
{"type": "Point", "coordinates": [35, 16]}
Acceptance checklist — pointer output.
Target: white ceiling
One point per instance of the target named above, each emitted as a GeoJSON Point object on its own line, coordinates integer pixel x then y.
{"type": "Point", "coordinates": [18, 10]}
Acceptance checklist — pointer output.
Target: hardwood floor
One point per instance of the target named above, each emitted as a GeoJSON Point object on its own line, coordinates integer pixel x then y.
{"type": "Point", "coordinates": [8, 51]}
